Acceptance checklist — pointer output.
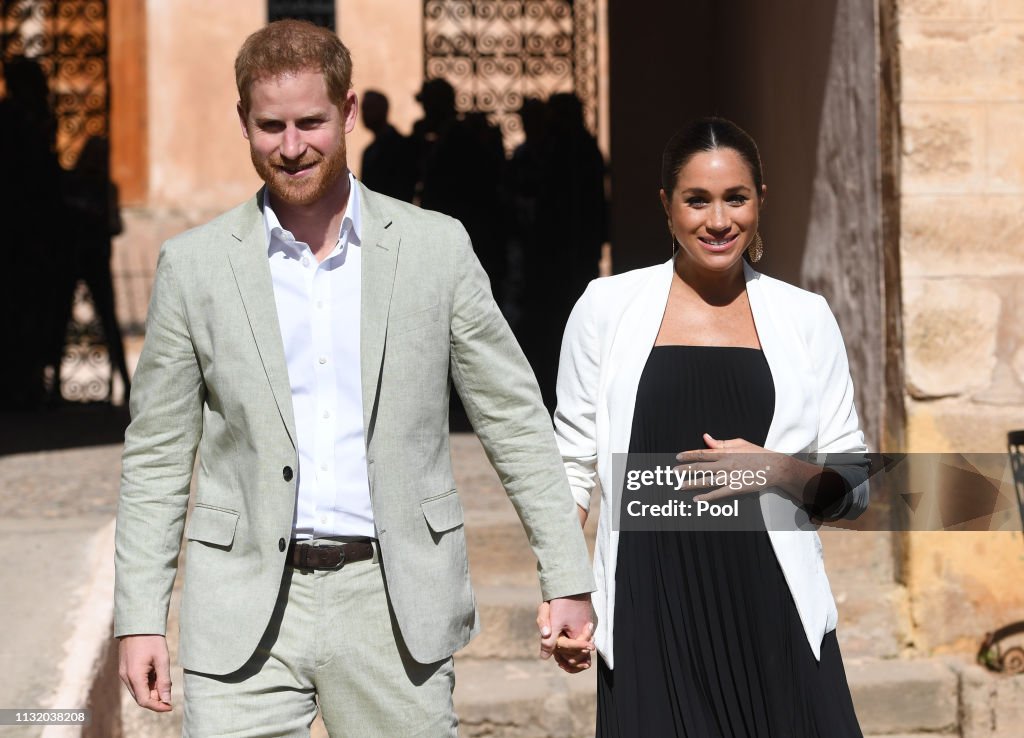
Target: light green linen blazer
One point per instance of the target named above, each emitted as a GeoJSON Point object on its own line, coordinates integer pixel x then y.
{"type": "Point", "coordinates": [212, 378]}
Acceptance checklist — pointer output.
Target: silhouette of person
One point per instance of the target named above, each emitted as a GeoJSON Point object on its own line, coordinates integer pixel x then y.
{"type": "Point", "coordinates": [389, 163]}
{"type": "Point", "coordinates": [523, 176]}
{"type": "Point", "coordinates": [572, 208]}
{"type": "Point", "coordinates": [571, 225]}
{"type": "Point", "coordinates": [92, 205]}
{"type": "Point", "coordinates": [437, 97]}
{"type": "Point", "coordinates": [30, 211]}
{"type": "Point", "coordinates": [462, 159]}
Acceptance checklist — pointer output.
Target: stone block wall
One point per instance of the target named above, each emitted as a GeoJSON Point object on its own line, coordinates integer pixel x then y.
{"type": "Point", "coordinates": [962, 259]}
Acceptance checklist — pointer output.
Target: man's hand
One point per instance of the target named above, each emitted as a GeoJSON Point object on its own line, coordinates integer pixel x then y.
{"type": "Point", "coordinates": [144, 667]}
{"type": "Point", "coordinates": [566, 627]}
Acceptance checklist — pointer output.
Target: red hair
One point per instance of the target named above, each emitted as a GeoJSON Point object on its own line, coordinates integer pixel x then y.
{"type": "Point", "coordinates": [291, 46]}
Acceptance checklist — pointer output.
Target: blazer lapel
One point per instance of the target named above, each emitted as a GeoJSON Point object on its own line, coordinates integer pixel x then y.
{"type": "Point", "coordinates": [251, 268]}
{"type": "Point", "coordinates": [789, 421]}
{"type": "Point", "coordinates": [781, 351]}
{"type": "Point", "coordinates": [632, 343]}
{"type": "Point", "coordinates": [379, 260]}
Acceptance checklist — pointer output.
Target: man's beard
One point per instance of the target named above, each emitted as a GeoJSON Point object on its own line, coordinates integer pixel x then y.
{"type": "Point", "coordinates": [304, 191]}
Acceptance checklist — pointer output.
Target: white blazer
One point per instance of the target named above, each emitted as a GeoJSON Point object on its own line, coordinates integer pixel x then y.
{"type": "Point", "coordinates": [607, 341]}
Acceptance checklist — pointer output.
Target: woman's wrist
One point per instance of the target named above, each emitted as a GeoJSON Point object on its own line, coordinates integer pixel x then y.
{"type": "Point", "coordinates": [814, 487]}
{"type": "Point", "coordinates": [582, 512]}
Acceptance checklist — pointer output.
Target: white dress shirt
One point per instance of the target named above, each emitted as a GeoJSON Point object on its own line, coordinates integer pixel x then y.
{"type": "Point", "coordinates": [318, 310]}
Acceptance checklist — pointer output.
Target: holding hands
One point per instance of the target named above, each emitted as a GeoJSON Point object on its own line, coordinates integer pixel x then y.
{"type": "Point", "coordinates": [566, 628]}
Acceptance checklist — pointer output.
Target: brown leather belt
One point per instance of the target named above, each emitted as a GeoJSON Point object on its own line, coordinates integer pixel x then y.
{"type": "Point", "coordinates": [330, 556]}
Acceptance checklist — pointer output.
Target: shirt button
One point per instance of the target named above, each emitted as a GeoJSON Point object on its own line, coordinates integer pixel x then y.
{"type": "Point", "coordinates": [305, 261]}
{"type": "Point", "coordinates": [319, 303]}
{"type": "Point", "coordinates": [323, 520]}
{"type": "Point", "coordinates": [287, 473]}
{"type": "Point", "coordinates": [327, 414]}
{"type": "Point", "coordinates": [323, 467]}
{"type": "Point", "coordinates": [323, 359]}
{"type": "Point", "coordinates": [281, 545]}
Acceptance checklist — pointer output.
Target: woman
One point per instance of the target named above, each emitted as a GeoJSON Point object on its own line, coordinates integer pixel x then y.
{"type": "Point", "coordinates": [712, 633]}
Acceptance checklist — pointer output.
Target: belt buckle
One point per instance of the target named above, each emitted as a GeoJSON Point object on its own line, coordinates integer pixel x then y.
{"type": "Point", "coordinates": [341, 557]}
{"type": "Point", "coordinates": [321, 557]}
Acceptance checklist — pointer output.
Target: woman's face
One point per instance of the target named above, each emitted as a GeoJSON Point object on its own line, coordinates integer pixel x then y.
{"type": "Point", "coordinates": [713, 210]}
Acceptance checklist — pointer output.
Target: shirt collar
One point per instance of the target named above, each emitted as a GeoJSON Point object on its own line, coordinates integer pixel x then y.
{"type": "Point", "coordinates": [351, 222]}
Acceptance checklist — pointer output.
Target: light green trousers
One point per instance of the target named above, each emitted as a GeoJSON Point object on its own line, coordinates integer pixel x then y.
{"type": "Point", "coordinates": [331, 640]}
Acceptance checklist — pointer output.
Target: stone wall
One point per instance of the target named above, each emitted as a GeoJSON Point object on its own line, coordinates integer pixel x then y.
{"type": "Point", "coordinates": [962, 254]}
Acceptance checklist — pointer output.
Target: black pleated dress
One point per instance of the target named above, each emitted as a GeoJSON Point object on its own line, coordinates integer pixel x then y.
{"type": "Point", "coordinates": [708, 642]}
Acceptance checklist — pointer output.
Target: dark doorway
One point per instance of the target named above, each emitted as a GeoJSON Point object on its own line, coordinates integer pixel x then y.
{"type": "Point", "coordinates": [320, 12]}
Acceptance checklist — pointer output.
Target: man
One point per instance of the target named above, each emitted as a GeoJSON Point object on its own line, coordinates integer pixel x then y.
{"type": "Point", "coordinates": [389, 162]}
{"type": "Point", "coordinates": [303, 343]}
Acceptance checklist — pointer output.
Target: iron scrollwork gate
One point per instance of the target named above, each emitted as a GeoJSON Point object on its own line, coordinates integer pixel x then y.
{"type": "Point", "coordinates": [67, 39]}
{"type": "Point", "coordinates": [496, 52]}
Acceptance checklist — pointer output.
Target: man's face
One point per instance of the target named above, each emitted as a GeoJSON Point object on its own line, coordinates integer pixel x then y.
{"type": "Point", "coordinates": [297, 135]}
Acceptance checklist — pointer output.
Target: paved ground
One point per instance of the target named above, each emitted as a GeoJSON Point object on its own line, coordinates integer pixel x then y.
{"type": "Point", "coordinates": [52, 507]}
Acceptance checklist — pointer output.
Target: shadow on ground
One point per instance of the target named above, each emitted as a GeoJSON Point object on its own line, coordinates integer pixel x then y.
{"type": "Point", "coordinates": [69, 425]}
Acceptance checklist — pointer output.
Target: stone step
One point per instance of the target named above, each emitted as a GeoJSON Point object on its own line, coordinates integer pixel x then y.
{"type": "Point", "coordinates": [508, 618]}
{"type": "Point", "coordinates": [872, 608]}
{"type": "Point", "coordinates": [500, 555]}
{"type": "Point", "coordinates": [504, 690]}
{"type": "Point", "coordinates": [874, 619]}
{"type": "Point", "coordinates": [870, 619]}
{"type": "Point", "coordinates": [914, 696]}
{"type": "Point", "coordinates": [533, 699]}
{"type": "Point", "coordinates": [522, 699]}
{"type": "Point", "coordinates": [859, 554]}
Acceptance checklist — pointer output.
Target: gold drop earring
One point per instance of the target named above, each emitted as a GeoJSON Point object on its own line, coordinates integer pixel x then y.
{"type": "Point", "coordinates": [756, 248]}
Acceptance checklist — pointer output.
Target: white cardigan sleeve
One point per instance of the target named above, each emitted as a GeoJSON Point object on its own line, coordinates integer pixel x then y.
{"type": "Point", "coordinates": [577, 389]}
{"type": "Point", "coordinates": [838, 426]}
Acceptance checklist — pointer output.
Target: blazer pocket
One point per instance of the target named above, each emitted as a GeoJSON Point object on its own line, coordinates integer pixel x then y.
{"type": "Point", "coordinates": [443, 513]}
{"type": "Point", "coordinates": [416, 320]}
{"type": "Point", "coordinates": [212, 525]}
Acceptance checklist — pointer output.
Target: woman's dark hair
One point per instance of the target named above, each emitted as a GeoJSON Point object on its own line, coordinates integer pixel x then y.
{"type": "Point", "coordinates": [708, 134]}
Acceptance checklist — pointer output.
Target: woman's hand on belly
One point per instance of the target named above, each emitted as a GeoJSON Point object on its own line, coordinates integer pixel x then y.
{"type": "Point", "coordinates": [735, 466]}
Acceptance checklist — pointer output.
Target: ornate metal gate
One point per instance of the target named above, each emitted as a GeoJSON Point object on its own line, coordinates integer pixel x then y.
{"type": "Point", "coordinates": [496, 52]}
{"type": "Point", "coordinates": [68, 40]}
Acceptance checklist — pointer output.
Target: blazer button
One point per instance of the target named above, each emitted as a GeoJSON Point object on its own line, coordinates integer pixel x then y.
{"type": "Point", "coordinates": [287, 473]}
{"type": "Point", "coordinates": [280, 545]}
